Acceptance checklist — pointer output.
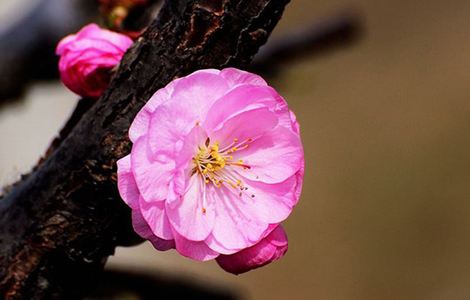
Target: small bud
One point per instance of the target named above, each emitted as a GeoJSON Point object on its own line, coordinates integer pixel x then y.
{"type": "Point", "coordinates": [88, 58]}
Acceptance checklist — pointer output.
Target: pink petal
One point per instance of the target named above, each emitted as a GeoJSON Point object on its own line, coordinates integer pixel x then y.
{"type": "Point", "coordinates": [142, 229]}
{"type": "Point", "coordinates": [266, 203]}
{"type": "Point", "coordinates": [234, 229]}
{"type": "Point", "coordinates": [193, 217]}
{"type": "Point", "coordinates": [219, 247]}
{"type": "Point", "coordinates": [62, 45]}
{"type": "Point", "coordinates": [152, 176]}
{"type": "Point", "coordinates": [94, 48]}
{"type": "Point", "coordinates": [287, 192]}
{"type": "Point", "coordinates": [240, 99]}
{"type": "Point", "coordinates": [272, 158]}
{"type": "Point", "coordinates": [205, 71]}
{"type": "Point", "coordinates": [126, 183]}
{"type": "Point", "coordinates": [102, 62]}
{"type": "Point", "coordinates": [192, 141]}
{"type": "Point", "coordinates": [184, 160]}
{"type": "Point", "coordinates": [93, 31]}
{"type": "Point", "coordinates": [141, 123]}
{"type": "Point", "coordinates": [270, 229]}
{"type": "Point", "coordinates": [300, 179]}
{"type": "Point", "coordinates": [236, 77]}
{"type": "Point", "coordinates": [157, 219]}
{"type": "Point", "coordinates": [271, 248]}
{"type": "Point", "coordinates": [295, 124]}
{"type": "Point", "coordinates": [74, 57]}
{"type": "Point", "coordinates": [195, 250]}
{"type": "Point", "coordinates": [247, 125]}
{"type": "Point", "coordinates": [72, 79]}
{"type": "Point", "coordinates": [222, 249]}
{"type": "Point", "coordinates": [88, 30]}
{"type": "Point", "coordinates": [190, 101]}
{"type": "Point", "coordinates": [168, 128]}
{"type": "Point", "coordinates": [198, 91]}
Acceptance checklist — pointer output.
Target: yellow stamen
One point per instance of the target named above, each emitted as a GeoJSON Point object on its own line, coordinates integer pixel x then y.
{"type": "Point", "coordinates": [211, 163]}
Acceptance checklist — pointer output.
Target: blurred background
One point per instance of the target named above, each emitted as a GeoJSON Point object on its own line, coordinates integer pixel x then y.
{"type": "Point", "coordinates": [385, 210]}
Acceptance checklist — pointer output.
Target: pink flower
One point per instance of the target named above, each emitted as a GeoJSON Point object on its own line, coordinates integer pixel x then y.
{"type": "Point", "coordinates": [216, 164]}
{"type": "Point", "coordinates": [269, 249]}
{"type": "Point", "coordinates": [86, 59]}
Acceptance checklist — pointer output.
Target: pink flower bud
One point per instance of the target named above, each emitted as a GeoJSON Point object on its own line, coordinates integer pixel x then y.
{"type": "Point", "coordinates": [269, 249]}
{"type": "Point", "coordinates": [87, 58]}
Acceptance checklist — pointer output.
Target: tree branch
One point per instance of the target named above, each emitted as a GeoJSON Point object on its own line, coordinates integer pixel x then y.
{"type": "Point", "coordinates": [60, 223]}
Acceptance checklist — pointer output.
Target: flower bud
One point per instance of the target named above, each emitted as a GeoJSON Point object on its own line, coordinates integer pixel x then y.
{"type": "Point", "coordinates": [88, 57]}
{"type": "Point", "coordinates": [269, 249]}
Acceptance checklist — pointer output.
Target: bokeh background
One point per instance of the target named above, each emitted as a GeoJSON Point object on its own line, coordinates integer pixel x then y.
{"type": "Point", "coordinates": [385, 210]}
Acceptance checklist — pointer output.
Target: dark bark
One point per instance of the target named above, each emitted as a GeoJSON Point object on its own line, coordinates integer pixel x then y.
{"type": "Point", "coordinates": [60, 223]}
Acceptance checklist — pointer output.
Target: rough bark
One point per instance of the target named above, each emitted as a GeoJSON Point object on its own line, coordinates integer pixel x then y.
{"type": "Point", "coordinates": [60, 223]}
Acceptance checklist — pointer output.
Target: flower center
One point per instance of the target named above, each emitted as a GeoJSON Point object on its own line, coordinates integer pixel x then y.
{"type": "Point", "coordinates": [214, 164]}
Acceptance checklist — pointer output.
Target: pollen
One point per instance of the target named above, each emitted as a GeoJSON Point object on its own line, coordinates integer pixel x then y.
{"type": "Point", "coordinates": [215, 164]}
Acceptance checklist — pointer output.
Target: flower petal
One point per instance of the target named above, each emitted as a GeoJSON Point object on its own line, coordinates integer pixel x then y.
{"type": "Point", "coordinates": [169, 126]}
{"type": "Point", "coordinates": [93, 31]}
{"type": "Point", "coordinates": [152, 176]}
{"type": "Point", "coordinates": [236, 77]}
{"type": "Point", "coordinates": [157, 219]}
{"type": "Point", "coordinates": [247, 125]}
{"type": "Point", "coordinates": [193, 217]}
{"type": "Point", "coordinates": [195, 250]}
{"type": "Point", "coordinates": [143, 229]}
{"type": "Point", "coordinates": [300, 179]}
{"type": "Point", "coordinates": [126, 183]}
{"type": "Point", "coordinates": [189, 104]}
{"type": "Point", "coordinates": [295, 124]}
{"type": "Point", "coordinates": [273, 157]}
{"type": "Point", "coordinates": [238, 100]}
{"type": "Point", "coordinates": [271, 248]}
{"type": "Point", "coordinates": [233, 228]}
{"type": "Point", "coordinates": [219, 247]}
{"type": "Point", "coordinates": [141, 123]}
{"type": "Point", "coordinates": [266, 203]}
{"type": "Point", "coordinates": [198, 91]}
{"type": "Point", "coordinates": [184, 161]}
{"type": "Point", "coordinates": [191, 145]}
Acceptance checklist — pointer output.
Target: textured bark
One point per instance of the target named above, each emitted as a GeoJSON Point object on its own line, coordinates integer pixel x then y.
{"type": "Point", "coordinates": [60, 223]}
